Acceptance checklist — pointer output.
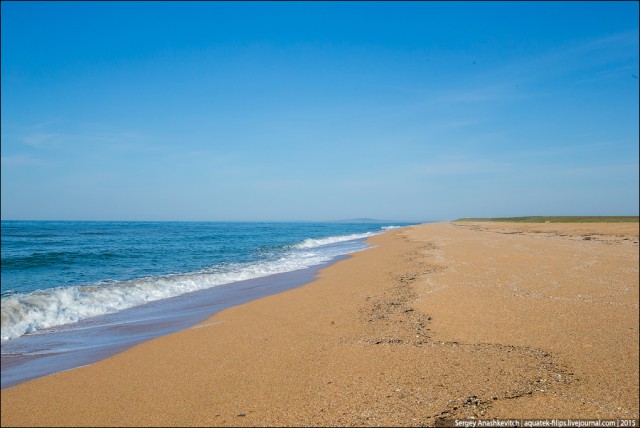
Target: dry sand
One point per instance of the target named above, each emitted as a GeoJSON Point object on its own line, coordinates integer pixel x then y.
{"type": "Point", "coordinates": [438, 321]}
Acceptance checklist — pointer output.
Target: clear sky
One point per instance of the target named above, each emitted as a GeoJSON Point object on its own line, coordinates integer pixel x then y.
{"type": "Point", "coordinates": [318, 111]}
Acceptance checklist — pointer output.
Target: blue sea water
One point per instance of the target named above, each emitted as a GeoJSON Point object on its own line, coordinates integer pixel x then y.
{"type": "Point", "coordinates": [60, 279]}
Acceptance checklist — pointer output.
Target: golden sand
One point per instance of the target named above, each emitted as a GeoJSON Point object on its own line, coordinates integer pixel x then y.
{"type": "Point", "coordinates": [437, 321]}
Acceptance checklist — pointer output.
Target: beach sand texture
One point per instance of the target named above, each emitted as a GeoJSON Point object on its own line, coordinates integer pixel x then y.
{"type": "Point", "coordinates": [437, 321]}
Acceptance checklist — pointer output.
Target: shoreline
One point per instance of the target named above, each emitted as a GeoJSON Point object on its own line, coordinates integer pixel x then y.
{"type": "Point", "coordinates": [436, 321]}
{"type": "Point", "coordinates": [64, 349]}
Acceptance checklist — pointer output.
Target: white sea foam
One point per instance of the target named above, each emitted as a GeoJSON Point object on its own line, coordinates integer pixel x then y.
{"type": "Point", "coordinates": [31, 312]}
{"type": "Point", "coordinates": [313, 243]}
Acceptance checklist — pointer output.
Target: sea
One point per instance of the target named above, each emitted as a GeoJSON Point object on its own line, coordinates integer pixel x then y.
{"type": "Point", "coordinates": [75, 292]}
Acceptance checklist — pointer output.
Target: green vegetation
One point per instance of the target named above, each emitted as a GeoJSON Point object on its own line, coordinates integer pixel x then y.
{"type": "Point", "coordinates": [559, 219]}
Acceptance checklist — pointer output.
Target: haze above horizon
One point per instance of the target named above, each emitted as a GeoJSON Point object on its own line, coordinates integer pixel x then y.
{"type": "Point", "coordinates": [318, 111]}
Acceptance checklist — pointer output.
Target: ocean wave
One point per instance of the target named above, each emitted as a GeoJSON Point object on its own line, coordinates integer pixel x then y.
{"type": "Point", "coordinates": [54, 258]}
{"type": "Point", "coordinates": [314, 243]}
{"type": "Point", "coordinates": [19, 234]}
{"type": "Point", "coordinates": [23, 313]}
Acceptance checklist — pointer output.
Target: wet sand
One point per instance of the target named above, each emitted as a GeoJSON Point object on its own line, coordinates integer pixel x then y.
{"type": "Point", "coordinates": [438, 321]}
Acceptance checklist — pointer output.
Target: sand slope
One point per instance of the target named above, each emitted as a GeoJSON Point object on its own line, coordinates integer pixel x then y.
{"type": "Point", "coordinates": [437, 321]}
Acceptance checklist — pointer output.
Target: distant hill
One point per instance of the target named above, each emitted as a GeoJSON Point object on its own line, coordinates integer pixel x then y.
{"type": "Point", "coordinates": [363, 220]}
{"type": "Point", "coordinates": [375, 220]}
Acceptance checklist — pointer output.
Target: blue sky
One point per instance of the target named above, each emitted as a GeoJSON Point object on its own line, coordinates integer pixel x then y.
{"type": "Point", "coordinates": [318, 111]}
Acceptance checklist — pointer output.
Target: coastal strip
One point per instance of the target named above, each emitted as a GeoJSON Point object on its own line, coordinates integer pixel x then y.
{"type": "Point", "coordinates": [435, 322]}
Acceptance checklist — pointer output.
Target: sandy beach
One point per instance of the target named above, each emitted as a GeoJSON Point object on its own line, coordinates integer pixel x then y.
{"type": "Point", "coordinates": [436, 321]}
